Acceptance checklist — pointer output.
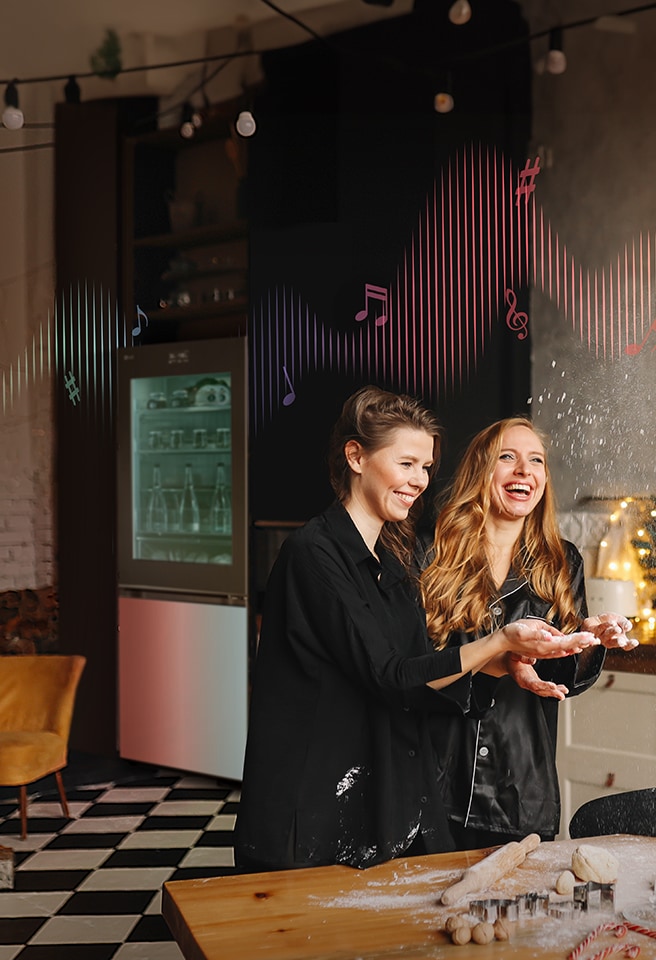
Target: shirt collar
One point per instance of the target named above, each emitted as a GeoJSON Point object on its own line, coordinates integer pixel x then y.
{"type": "Point", "coordinates": [340, 522]}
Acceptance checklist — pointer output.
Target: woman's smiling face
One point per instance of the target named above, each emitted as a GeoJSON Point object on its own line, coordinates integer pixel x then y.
{"type": "Point", "coordinates": [520, 474]}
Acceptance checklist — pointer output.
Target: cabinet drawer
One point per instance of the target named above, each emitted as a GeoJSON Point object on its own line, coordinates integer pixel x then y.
{"type": "Point", "coordinates": [618, 713]}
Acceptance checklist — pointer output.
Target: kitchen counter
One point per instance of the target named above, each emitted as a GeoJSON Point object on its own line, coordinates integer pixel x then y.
{"type": "Point", "coordinates": [393, 911]}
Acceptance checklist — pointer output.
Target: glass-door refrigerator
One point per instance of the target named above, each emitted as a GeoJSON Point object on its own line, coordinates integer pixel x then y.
{"type": "Point", "coordinates": [182, 555]}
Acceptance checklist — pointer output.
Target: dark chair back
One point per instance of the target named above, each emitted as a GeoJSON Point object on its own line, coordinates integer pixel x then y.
{"type": "Point", "coordinates": [630, 812]}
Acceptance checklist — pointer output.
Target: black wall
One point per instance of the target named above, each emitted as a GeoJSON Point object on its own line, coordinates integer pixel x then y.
{"type": "Point", "coordinates": [347, 148]}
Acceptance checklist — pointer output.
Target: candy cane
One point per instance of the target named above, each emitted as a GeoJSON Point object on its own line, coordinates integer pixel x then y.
{"type": "Point", "coordinates": [638, 929]}
{"type": "Point", "coordinates": [618, 929]}
{"type": "Point", "coordinates": [628, 949]}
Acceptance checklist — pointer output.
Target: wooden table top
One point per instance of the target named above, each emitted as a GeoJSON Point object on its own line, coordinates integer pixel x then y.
{"type": "Point", "coordinates": [393, 910]}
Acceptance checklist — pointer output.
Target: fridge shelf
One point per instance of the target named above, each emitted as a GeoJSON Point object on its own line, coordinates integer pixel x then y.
{"type": "Point", "coordinates": [154, 413]}
{"type": "Point", "coordinates": [178, 537]}
{"type": "Point", "coordinates": [179, 451]}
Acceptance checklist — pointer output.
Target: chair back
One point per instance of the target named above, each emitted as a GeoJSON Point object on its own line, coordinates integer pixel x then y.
{"type": "Point", "coordinates": [37, 693]}
{"type": "Point", "coordinates": [633, 811]}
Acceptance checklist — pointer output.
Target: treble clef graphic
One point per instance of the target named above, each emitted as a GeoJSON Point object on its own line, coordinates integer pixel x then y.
{"type": "Point", "coordinates": [515, 320]}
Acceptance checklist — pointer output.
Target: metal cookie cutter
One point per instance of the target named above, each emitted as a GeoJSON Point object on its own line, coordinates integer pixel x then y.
{"type": "Point", "coordinates": [491, 910]}
{"type": "Point", "coordinates": [533, 905]}
{"type": "Point", "coordinates": [595, 896]}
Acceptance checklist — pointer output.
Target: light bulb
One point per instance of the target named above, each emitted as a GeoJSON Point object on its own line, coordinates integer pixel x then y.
{"type": "Point", "coordinates": [245, 124]}
{"type": "Point", "coordinates": [13, 118]}
{"type": "Point", "coordinates": [556, 61]}
{"type": "Point", "coordinates": [187, 130]}
{"type": "Point", "coordinates": [460, 12]}
{"type": "Point", "coordinates": [443, 103]}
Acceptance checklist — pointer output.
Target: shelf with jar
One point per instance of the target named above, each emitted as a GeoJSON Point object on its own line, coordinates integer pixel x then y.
{"type": "Point", "coordinates": [185, 239]}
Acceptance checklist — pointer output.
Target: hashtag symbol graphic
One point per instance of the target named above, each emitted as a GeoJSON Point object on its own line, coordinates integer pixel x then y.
{"type": "Point", "coordinates": [529, 174]}
{"type": "Point", "coordinates": [72, 387]}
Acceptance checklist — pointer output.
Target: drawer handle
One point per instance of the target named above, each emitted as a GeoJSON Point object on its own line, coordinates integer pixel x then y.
{"type": "Point", "coordinates": [610, 681]}
{"type": "Point", "coordinates": [610, 780]}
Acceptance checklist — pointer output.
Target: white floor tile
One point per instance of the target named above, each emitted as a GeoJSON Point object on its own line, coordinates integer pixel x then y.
{"type": "Point", "coordinates": [33, 841]}
{"type": "Point", "coordinates": [65, 860]}
{"type": "Point", "coordinates": [8, 953]}
{"type": "Point", "coordinates": [103, 824]}
{"type": "Point", "coordinates": [223, 821]}
{"type": "Point", "coordinates": [155, 905]}
{"type": "Point", "coordinates": [42, 904]}
{"type": "Point", "coordinates": [156, 839]}
{"type": "Point", "coordinates": [111, 929]}
{"type": "Point", "coordinates": [209, 857]}
{"type": "Point", "coordinates": [234, 796]}
{"type": "Point", "coordinates": [186, 808]}
{"type": "Point", "coordinates": [127, 878]}
{"type": "Point", "coordinates": [196, 783]}
{"type": "Point", "coordinates": [162, 950]}
{"type": "Point", "coordinates": [52, 808]}
{"type": "Point", "coordinates": [134, 795]}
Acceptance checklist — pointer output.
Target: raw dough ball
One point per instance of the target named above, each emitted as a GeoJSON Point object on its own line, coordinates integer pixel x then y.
{"type": "Point", "coordinates": [565, 883]}
{"type": "Point", "coordinates": [461, 934]}
{"type": "Point", "coordinates": [454, 922]}
{"type": "Point", "coordinates": [482, 933]}
{"type": "Point", "coordinates": [594, 863]}
{"type": "Point", "coordinates": [501, 929]}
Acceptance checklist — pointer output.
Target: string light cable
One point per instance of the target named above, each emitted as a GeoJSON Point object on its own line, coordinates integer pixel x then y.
{"type": "Point", "coordinates": [224, 58]}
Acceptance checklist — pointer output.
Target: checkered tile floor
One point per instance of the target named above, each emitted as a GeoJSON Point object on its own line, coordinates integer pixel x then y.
{"type": "Point", "coordinates": [89, 888]}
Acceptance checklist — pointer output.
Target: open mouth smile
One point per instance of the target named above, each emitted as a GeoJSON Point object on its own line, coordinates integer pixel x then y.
{"type": "Point", "coordinates": [518, 489]}
{"type": "Point", "coordinates": [407, 498]}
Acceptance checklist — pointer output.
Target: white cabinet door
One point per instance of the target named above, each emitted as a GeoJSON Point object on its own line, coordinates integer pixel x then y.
{"type": "Point", "coordinates": [183, 685]}
{"type": "Point", "coordinates": [606, 740]}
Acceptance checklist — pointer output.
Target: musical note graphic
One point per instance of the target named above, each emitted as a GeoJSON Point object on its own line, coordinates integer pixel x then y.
{"type": "Point", "coordinates": [137, 330]}
{"type": "Point", "coordinates": [632, 349]}
{"type": "Point", "coordinates": [515, 321]}
{"type": "Point", "coordinates": [72, 387]}
{"type": "Point", "coordinates": [373, 292]}
{"type": "Point", "coordinates": [528, 173]}
{"type": "Point", "coordinates": [289, 398]}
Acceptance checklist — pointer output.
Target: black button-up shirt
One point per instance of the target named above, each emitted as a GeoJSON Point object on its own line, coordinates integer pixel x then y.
{"type": "Point", "coordinates": [338, 765]}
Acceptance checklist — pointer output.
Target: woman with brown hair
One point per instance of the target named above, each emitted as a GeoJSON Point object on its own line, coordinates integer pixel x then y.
{"type": "Point", "coordinates": [339, 766]}
{"type": "Point", "coordinates": [496, 557]}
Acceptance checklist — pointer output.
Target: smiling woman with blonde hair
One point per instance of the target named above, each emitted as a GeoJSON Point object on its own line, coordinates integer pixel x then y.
{"type": "Point", "coordinates": [496, 557]}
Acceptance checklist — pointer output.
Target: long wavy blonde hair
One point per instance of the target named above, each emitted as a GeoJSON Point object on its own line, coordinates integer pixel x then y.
{"type": "Point", "coordinates": [457, 585]}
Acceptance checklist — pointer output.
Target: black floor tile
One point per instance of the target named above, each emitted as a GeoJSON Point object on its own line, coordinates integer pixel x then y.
{"type": "Point", "coordinates": [201, 873]}
{"type": "Point", "coordinates": [33, 881]}
{"type": "Point", "coordinates": [69, 951]}
{"type": "Point", "coordinates": [231, 807]}
{"type": "Point", "coordinates": [86, 841]}
{"type": "Point", "coordinates": [19, 929]}
{"type": "Point", "coordinates": [146, 857]}
{"type": "Point", "coordinates": [197, 793]}
{"type": "Point", "coordinates": [102, 903]}
{"type": "Point", "coordinates": [150, 928]}
{"type": "Point", "coordinates": [34, 825]}
{"type": "Point", "coordinates": [175, 823]}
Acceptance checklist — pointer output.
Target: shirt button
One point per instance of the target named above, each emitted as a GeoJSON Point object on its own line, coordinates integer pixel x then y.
{"type": "Point", "coordinates": [407, 709]}
{"type": "Point", "coordinates": [483, 752]}
{"type": "Point", "coordinates": [423, 799]}
{"type": "Point", "coordinates": [492, 702]}
{"type": "Point", "coordinates": [411, 753]}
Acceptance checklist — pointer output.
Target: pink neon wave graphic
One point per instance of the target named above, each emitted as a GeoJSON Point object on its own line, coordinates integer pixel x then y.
{"type": "Point", "coordinates": [480, 235]}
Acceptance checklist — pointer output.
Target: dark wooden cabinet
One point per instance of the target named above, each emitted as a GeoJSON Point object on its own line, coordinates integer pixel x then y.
{"type": "Point", "coordinates": [121, 243]}
{"type": "Point", "coordinates": [185, 234]}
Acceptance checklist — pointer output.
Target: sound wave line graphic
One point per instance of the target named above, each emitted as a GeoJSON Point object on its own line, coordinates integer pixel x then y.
{"type": "Point", "coordinates": [480, 236]}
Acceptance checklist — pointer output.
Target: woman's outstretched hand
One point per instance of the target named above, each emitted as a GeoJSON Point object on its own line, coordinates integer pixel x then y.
{"type": "Point", "coordinates": [611, 630]}
{"type": "Point", "coordinates": [536, 638]}
{"type": "Point", "coordinates": [525, 676]}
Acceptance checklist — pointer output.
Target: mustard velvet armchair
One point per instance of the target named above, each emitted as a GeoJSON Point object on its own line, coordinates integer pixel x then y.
{"type": "Point", "coordinates": [37, 697]}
